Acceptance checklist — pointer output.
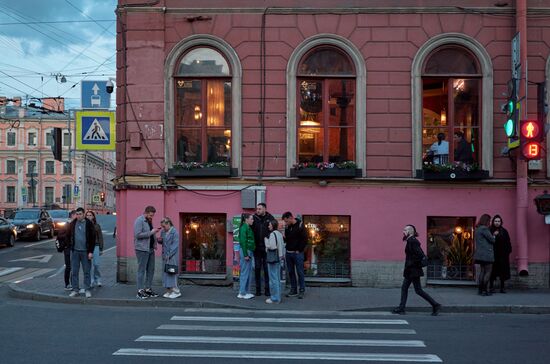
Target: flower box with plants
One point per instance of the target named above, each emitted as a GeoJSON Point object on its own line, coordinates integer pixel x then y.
{"type": "Point", "coordinates": [347, 169]}
{"type": "Point", "coordinates": [196, 169]}
{"type": "Point", "coordinates": [449, 172]}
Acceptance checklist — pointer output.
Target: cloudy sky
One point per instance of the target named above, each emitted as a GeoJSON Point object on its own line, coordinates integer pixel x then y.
{"type": "Point", "coordinates": [43, 40]}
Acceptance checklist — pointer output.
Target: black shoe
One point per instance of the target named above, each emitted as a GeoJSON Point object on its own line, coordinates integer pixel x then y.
{"type": "Point", "coordinates": [150, 293]}
{"type": "Point", "coordinates": [502, 290]}
{"type": "Point", "coordinates": [398, 311]}
{"type": "Point", "coordinates": [292, 294]}
{"type": "Point", "coordinates": [142, 295]}
{"type": "Point", "coordinates": [436, 309]}
{"type": "Point", "coordinates": [258, 292]}
{"type": "Point", "coordinates": [301, 295]}
{"type": "Point", "coordinates": [267, 294]}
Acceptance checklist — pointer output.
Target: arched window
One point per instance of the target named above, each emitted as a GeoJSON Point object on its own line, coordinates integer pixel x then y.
{"type": "Point", "coordinates": [325, 95]}
{"type": "Point", "coordinates": [203, 107]}
{"type": "Point", "coordinates": [451, 106]}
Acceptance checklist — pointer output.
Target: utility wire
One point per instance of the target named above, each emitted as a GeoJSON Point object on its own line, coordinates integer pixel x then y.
{"type": "Point", "coordinates": [89, 17]}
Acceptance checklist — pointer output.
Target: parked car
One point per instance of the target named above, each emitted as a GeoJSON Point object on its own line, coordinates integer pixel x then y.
{"type": "Point", "coordinates": [33, 223]}
{"type": "Point", "coordinates": [8, 232]}
{"type": "Point", "coordinates": [60, 219]}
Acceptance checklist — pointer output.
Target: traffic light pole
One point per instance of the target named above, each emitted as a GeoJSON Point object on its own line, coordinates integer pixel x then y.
{"type": "Point", "coordinates": [522, 188]}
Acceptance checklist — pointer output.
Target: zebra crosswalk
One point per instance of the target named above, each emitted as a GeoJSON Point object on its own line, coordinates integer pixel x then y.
{"type": "Point", "coordinates": [217, 334]}
{"type": "Point", "coordinates": [20, 274]}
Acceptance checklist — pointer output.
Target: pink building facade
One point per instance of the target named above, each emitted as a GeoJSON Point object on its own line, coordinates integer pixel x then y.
{"type": "Point", "coordinates": [331, 110]}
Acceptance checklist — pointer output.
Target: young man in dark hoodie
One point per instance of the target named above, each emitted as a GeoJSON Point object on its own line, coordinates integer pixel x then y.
{"type": "Point", "coordinates": [296, 241]}
{"type": "Point", "coordinates": [261, 231]}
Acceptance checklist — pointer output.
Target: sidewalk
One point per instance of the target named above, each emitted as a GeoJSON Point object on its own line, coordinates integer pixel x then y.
{"type": "Point", "coordinates": [453, 299]}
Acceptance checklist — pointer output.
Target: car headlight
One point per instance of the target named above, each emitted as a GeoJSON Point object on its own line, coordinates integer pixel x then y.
{"type": "Point", "coordinates": [61, 223]}
{"type": "Point", "coordinates": [30, 226]}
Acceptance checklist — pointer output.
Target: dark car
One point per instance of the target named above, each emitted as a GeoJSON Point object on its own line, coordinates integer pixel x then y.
{"type": "Point", "coordinates": [33, 223]}
{"type": "Point", "coordinates": [8, 233]}
{"type": "Point", "coordinates": [60, 219]}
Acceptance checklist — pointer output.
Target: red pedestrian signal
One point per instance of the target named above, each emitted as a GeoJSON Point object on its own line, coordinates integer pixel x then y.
{"type": "Point", "coordinates": [102, 196]}
{"type": "Point", "coordinates": [531, 135]}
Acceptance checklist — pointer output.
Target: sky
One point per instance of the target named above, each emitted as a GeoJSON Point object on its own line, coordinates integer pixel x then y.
{"type": "Point", "coordinates": [45, 41]}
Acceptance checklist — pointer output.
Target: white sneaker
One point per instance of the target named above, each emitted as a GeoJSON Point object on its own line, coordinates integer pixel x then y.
{"type": "Point", "coordinates": [174, 295]}
{"type": "Point", "coordinates": [98, 283]}
{"type": "Point", "coordinates": [167, 295]}
{"type": "Point", "coordinates": [240, 295]}
{"type": "Point", "coordinates": [73, 294]}
{"type": "Point", "coordinates": [248, 296]}
{"type": "Point", "coordinates": [82, 290]}
{"type": "Point", "coordinates": [88, 294]}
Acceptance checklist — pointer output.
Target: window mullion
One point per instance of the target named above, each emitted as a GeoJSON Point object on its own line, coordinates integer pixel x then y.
{"type": "Point", "coordinates": [326, 116]}
{"type": "Point", "coordinates": [451, 118]}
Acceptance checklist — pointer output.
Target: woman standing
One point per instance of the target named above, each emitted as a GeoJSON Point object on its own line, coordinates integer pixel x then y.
{"type": "Point", "coordinates": [247, 246]}
{"type": "Point", "coordinates": [484, 255]}
{"type": "Point", "coordinates": [274, 243]}
{"type": "Point", "coordinates": [503, 248]}
{"type": "Point", "coordinates": [98, 250]}
{"type": "Point", "coordinates": [169, 238]}
{"type": "Point", "coordinates": [413, 271]}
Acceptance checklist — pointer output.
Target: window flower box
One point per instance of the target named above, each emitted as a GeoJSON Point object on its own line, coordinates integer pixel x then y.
{"type": "Point", "coordinates": [220, 169]}
{"type": "Point", "coordinates": [451, 172]}
{"type": "Point", "coordinates": [326, 170]}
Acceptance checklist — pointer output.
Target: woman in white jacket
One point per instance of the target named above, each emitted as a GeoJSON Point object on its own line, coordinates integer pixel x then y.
{"type": "Point", "coordinates": [274, 243]}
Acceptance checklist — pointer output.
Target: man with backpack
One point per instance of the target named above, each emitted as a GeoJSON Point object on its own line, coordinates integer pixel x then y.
{"type": "Point", "coordinates": [296, 241]}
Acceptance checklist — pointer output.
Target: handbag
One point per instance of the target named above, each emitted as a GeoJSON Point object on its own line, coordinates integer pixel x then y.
{"type": "Point", "coordinates": [424, 260]}
{"type": "Point", "coordinates": [170, 268]}
{"type": "Point", "coordinates": [273, 254]}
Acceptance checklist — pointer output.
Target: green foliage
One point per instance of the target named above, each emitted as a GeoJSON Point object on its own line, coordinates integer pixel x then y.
{"type": "Point", "coordinates": [461, 251]}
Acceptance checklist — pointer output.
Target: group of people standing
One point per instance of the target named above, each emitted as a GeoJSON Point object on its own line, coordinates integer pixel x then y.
{"type": "Point", "coordinates": [81, 242]}
{"type": "Point", "coordinates": [492, 253]}
{"type": "Point", "coordinates": [265, 248]}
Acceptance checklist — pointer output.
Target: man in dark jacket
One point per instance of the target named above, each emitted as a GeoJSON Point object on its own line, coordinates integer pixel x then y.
{"type": "Point", "coordinates": [463, 151]}
{"type": "Point", "coordinates": [261, 231]}
{"type": "Point", "coordinates": [413, 271]}
{"type": "Point", "coordinates": [296, 241]}
{"type": "Point", "coordinates": [63, 246]}
{"type": "Point", "coordinates": [82, 238]}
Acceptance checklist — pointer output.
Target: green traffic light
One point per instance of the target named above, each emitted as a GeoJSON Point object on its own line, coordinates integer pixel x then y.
{"type": "Point", "coordinates": [509, 128]}
{"type": "Point", "coordinates": [510, 107]}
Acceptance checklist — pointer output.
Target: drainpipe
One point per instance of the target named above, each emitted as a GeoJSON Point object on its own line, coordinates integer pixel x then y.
{"type": "Point", "coordinates": [522, 191]}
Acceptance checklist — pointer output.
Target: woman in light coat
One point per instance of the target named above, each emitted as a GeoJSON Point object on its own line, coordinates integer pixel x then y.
{"type": "Point", "coordinates": [169, 238]}
{"type": "Point", "coordinates": [275, 241]}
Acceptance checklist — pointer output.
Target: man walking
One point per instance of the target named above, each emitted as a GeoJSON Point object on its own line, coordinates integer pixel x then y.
{"type": "Point", "coordinates": [296, 241]}
{"type": "Point", "coordinates": [261, 231]}
{"type": "Point", "coordinates": [145, 242]}
{"type": "Point", "coordinates": [63, 245]}
{"type": "Point", "coordinates": [82, 237]}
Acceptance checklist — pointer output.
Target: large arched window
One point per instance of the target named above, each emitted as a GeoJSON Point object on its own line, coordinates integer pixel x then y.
{"type": "Point", "coordinates": [326, 107]}
{"type": "Point", "coordinates": [451, 107]}
{"type": "Point", "coordinates": [203, 107]}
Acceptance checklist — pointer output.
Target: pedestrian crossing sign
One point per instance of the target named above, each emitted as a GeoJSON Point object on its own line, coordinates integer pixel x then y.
{"type": "Point", "coordinates": [95, 130]}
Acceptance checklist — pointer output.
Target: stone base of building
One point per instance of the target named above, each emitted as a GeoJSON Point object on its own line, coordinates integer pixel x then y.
{"type": "Point", "coordinates": [539, 277]}
{"type": "Point", "coordinates": [377, 274]}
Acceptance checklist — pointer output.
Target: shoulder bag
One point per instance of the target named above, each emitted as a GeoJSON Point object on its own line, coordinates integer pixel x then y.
{"type": "Point", "coordinates": [273, 254]}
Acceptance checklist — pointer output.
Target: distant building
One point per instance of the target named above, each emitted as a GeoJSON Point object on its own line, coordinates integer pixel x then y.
{"type": "Point", "coordinates": [29, 175]}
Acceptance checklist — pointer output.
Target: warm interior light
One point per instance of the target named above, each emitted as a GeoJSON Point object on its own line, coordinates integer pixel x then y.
{"type": "Point", "coordinates": [458, 230]}
{"type": "Point", "coordinates": [198, 113]}
{"type": "Point", "coordinates": [443, 117]}
{"type": "Point", "coordinates": [309, 123]}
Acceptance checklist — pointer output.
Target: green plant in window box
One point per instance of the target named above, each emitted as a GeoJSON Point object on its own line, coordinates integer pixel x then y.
{"type": "Point", "coordinates": [326, 165]}
{"type": "Point", "coordinates": [196, 165]}
{"type": "Point", "coordinates": [450, 167]}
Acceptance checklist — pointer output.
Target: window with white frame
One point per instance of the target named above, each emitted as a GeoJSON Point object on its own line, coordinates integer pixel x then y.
{"type": "Point", "coordinates": [10, 166]}
{"type": "Point", "coordinates": [48, 195]}
{"type": "Point", "coordinates": [10, 194]}
{"type": "Point", "coordinates": [66, 139]}
{"type": "Point", "coordinates": [31, 139]}
{"type": "Point", "coordinates": [31, 166]}
{"type": "Point", "coordinates": [49, 138]}
{"type": "Point", "coordinates": [11, 138]}
{"type": "Point", "coordinates": [50, 167]}
{"type": "Point", "coordinates": [67, 167]}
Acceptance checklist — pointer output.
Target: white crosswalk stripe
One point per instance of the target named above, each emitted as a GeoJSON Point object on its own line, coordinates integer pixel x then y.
{"type": "Point", "coordinates": [230, 334]}
{"type": "Point", "coordinates": [20, 274]}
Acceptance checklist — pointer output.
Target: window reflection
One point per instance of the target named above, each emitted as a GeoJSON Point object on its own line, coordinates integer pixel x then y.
{"type": "Point", "coordinates": [204, 237]}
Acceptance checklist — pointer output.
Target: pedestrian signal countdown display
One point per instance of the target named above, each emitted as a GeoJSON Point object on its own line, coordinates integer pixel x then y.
{"type": "Point", "coordinates": [531, 135]}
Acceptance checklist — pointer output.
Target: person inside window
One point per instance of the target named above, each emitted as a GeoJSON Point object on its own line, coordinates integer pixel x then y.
{"type": "Point", "coordinates": [463, 149]}
{"type": "Point", "coordinates": [440, 150]}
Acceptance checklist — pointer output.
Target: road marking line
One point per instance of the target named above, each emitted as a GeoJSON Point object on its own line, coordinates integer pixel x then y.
{"type": "Point", "coordinates": [39, 243]}
{"type": "Point", "coordinates": [111, 248]}
{"type": "Point", "coordinates": [293, 320]}
{"type": "Point", "coordinates": [289, 312]}
{"type": "Point", "coordinates": [59, 270]}
{"type": "Point", "coordinates": [277, 341]}
{"type": "Point", "coordinates": [45, 258]}
{"type": "Point", "coordinates": [34, 273]}
{"type": "Point", "coordinates": [7, 271]}
{"type": "Point", "coordinates": [334, 330]}
{"type": "Point", "coordinates": [428, 358]}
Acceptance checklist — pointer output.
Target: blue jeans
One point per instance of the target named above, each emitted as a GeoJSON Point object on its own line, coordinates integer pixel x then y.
{"type": "Point", "coordinates": [146, 269]}
{"type": "Point", "coordinates": [295, 265]}
{"type": "Point", "coordinates": [95, 261]}
{"type": "Point", "coordinates": [244, 277]}
{"type": "Point", "coordinates": [274, 270]}
{"type": "Point", "coordinates": [78, 257]}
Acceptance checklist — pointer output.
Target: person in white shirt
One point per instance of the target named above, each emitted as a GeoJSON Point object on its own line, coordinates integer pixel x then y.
{"type": "Point", "coordinates": [440, 150]}
{"type": "Point", "coordinates": [275, 251]}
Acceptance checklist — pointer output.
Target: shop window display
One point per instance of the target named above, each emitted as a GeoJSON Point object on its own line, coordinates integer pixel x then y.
{"type": "Point", "coordinates": [328, 249]}
{"type": "Point", "coordinates": [450, 250]}
{"type": "Point", "coordinates": [204, 243]}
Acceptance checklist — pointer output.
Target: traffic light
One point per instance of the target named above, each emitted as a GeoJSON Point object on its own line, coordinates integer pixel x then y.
{"type": "Point", "coordinates": [57, 146]}
{"type": "Point", "coordinates": [511, 108]}
{"type": "Point", "coordinates": [531, 136]}
{"type": "Point", "coordinates": [102, 196]}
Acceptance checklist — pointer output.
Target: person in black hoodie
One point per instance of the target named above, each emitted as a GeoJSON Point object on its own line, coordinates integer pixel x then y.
{"type": "Point", "coordinates": [261, 231]}
{"type": "Point", "coordinates": [63, 246]}
{"type": "Point", "coordinates": [296, 241]}
{"type": "Point", "coordinates": [82, 238]}
{"type": "Point", "coordinates": [413, 271]}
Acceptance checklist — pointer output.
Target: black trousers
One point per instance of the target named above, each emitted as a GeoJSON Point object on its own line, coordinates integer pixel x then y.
{"type": "Point", "coordinates": [260, 263]}
{"type": "Point", "coordinates": [417, 288]}
{"type": "Point", "coordinates": [67, 254]}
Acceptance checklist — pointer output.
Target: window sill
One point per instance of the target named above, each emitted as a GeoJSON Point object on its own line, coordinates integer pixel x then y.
{"type": "Point", "coordinates": [202, 172]}
{"type": "Point", "coordinates": [325, 173]}
{"type": "Point", "coordinates": [456, 175]}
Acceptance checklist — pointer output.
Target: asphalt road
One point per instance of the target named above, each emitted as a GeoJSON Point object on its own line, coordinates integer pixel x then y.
{"type": "Point", "coordinates": [37, 332]}
{"type": "Point", "coordinates": [29, 259]}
